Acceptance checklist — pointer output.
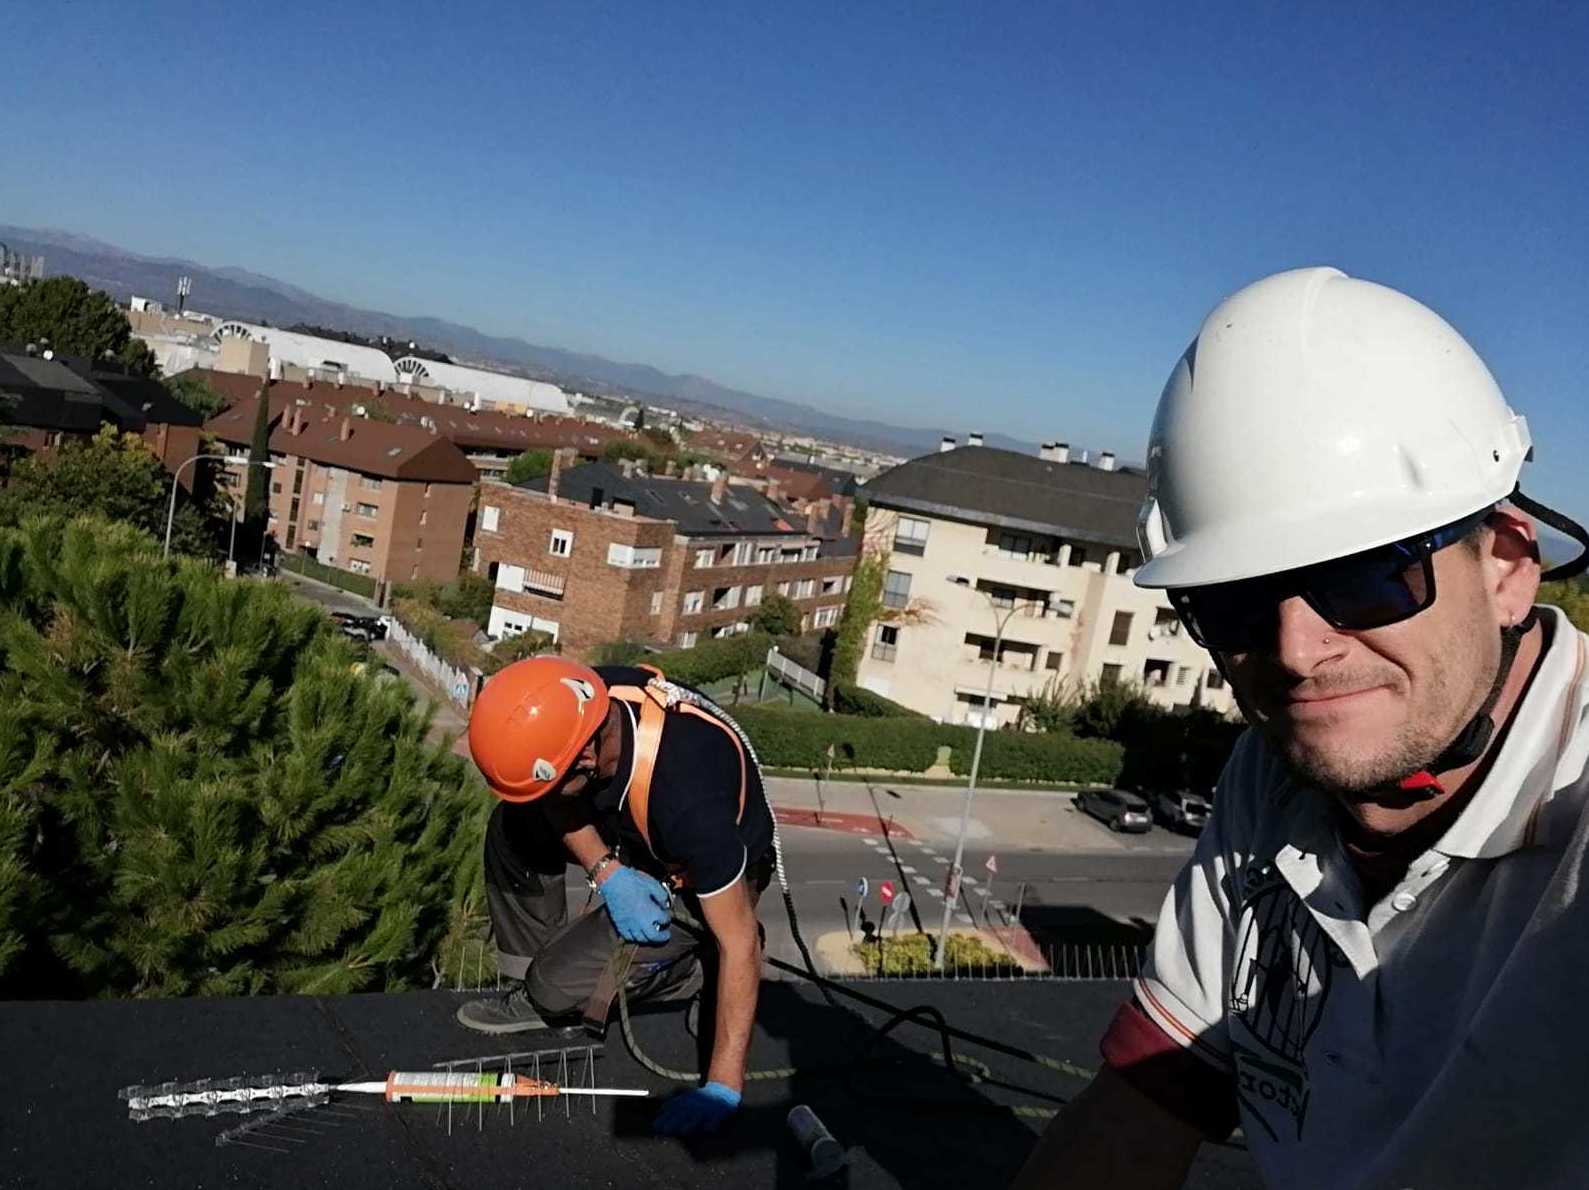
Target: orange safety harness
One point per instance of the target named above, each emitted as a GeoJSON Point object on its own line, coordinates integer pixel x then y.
{"type": "Point", "coordinates": [651, 704]}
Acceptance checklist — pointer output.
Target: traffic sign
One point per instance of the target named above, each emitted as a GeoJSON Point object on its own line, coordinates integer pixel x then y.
{"type": "Point", "coordinates": [886, 891]}
{"type": "Point", "coordinates": [862, 888]}
{"type": "Point", "coordinates": [992, 865]}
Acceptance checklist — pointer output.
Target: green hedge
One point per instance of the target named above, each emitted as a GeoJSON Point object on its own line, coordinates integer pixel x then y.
{"type": "Point", "coordinates": [1031, 756]}
{"type": "Point", "coordinates": [857, 700]}
{"type": "Point", "coordinates": [792, 739]}
{"type": "Point", "coordinates": [713, 660]}
{"type": "Point", "coordinates": [359, 584]}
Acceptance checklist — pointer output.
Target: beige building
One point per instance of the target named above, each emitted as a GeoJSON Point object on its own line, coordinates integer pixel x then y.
{"type": "Point", "coordinates": [1045, 544]}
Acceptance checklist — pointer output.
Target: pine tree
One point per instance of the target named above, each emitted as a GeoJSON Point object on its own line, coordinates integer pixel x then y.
{"type": "Point", "coordinates": [202, 793]}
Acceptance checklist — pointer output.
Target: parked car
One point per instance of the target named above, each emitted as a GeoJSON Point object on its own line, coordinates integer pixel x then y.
{"type": "Point", "coordinates": [1118, 810]}
{"type": "Point", "coordinates": [366, 628]}
{"type": "Point", "coordinates": [1181, 809]}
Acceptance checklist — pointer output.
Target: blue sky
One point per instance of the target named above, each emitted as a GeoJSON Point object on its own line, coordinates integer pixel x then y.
{"type": "Point", "coordinates": [981, 217]}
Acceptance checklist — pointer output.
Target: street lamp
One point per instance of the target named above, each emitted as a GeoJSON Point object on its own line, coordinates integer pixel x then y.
{"type": "Point", "coordinates": [231, 460]}
{"type": "Point", "coordinates": [952, 893]}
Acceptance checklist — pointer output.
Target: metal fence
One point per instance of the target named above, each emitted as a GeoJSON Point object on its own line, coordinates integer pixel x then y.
{"type": "Point", "coordinates": [359, 584]}
{"type": "Point", "coordinates": [460, 684]}
{"type": "Point", "coordinates": [794, 675]}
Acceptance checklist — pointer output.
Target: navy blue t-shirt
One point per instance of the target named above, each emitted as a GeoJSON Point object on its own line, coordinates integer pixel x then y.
{"type": "Point", "coordinates": [694, 798]}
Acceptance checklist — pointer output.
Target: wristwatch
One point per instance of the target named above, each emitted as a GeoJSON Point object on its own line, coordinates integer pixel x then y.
{"type": "Point", "coordinates": [600, 866]}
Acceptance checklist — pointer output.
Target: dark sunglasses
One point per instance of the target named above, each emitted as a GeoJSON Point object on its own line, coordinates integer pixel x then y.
{"type": "Point", "coordinates": [1372, 589]}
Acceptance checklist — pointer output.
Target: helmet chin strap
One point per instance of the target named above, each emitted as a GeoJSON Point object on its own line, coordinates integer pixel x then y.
{"type": "Point", "coordinates": [1473, 739]}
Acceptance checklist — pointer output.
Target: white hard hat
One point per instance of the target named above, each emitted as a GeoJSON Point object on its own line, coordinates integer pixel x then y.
{"type": "Point", "coordinates": [1316, 415]}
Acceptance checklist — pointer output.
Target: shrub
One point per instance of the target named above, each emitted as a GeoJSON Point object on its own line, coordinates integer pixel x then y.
{"type": "Point", "coordinates": [857, 700]}
{"type": "Point", "coordinates": [713, 660]}
{"type": "Point", "coordinates": [911, 954]}
{"type": "Point", "coordinates": [1026, 756]}
{"type": "Point", "coordinates": [200, 793]}
{"type": "Point", "coordinates": [516, 648]}
{"type": "Point", "coordinates": [799, 740]}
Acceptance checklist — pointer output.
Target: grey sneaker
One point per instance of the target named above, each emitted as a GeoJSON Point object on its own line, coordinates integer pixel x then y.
{"type": "Point", "coordinates": [511, 1012]}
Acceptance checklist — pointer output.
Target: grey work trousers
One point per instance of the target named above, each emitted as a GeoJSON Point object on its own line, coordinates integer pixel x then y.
{"type": "Point", "coordinates": [561, 960]}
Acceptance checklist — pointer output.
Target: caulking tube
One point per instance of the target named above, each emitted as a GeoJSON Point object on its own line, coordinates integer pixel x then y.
{"type": "Point", "coordinates": [825, 1154]}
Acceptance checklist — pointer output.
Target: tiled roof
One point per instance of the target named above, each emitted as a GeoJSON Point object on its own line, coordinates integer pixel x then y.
{"type": "Point", "coordinates": [1017, 491]}
{"type": "Point", "coordinates": [485, 430]}
{"type": "Point", "coordinates": [371, 447]}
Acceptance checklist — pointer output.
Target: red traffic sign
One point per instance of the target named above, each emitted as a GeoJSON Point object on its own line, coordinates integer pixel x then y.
{"type": "Point", "coordinates": [992, 865]}
{"type": "Point", "coordinates": [886, 891]}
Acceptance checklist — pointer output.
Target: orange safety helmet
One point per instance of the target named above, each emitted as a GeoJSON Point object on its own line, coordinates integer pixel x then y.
{"type": "Point", "coordinates": [530, 722]}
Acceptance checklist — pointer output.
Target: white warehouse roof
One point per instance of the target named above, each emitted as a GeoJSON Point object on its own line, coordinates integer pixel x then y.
{"type": "Point", "coordinates": [311, 351]}
{"type": "Point", "coordinates": [488, 386]}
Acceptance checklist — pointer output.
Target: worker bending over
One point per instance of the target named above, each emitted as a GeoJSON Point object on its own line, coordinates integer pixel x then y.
{"type": "Point", "coordinates": [656, 794]}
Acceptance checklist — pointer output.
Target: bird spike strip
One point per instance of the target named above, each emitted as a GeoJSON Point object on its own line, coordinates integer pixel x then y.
{"type": "Point", "coordinates": [216, 1096]}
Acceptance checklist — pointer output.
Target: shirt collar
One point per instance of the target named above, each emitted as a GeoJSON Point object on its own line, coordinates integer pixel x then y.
{"type": "Point", "coordinates": [1504, 813]}
{"type": "Point", "coordinates": [615, 791]}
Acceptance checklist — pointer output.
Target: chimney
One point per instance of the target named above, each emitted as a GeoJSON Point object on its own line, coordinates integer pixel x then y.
{"type": "Point", "coordinates": [670, 468]}
{"type": "Point", "coordinates": [295, 421]}
{"type": "Point", "coordinates": [1046, 452]}
{"type": "Point", "coordinates": [1061, 452]}
{"type": "Point", "coordinates": [627, 467]}
{"type": "Point", "coordinates": [719, 487]}
{"type": "Point", "coordinates": [974, 439]}
{"type": "Point", "coordinates": [847, 523]}
{"type": "Point", "coordinates": [1106, 461]}
{"type": "Point", "coordinates": [816, 515]}
{"type": "Point", "coordinates": [347, 429]}
{"type": "Point", "coordinates": [946, 445]}
{"type": "Point", "coordinates": [772, 490]}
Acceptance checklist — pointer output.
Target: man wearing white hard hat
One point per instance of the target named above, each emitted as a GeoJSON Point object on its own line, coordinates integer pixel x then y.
{"type": "Point", "coordinates": [1376, 959]}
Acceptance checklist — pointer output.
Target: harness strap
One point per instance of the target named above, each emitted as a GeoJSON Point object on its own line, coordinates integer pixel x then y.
{"type": "Point", "coordinates": [651, 704]}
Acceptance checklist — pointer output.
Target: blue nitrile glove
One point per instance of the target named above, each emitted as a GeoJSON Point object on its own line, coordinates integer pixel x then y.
{"type": "Point", "coordinates": [701, 1110]}
{"type": "Point", "coordinates": [638, 905]}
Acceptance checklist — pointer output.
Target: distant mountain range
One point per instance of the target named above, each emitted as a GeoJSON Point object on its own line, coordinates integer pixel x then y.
{"type": "Point", "coordinates": [238, 293]}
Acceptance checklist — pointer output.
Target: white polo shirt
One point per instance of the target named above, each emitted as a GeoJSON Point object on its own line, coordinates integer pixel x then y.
{"type": "Point", "coordinates": [1432, 1039]}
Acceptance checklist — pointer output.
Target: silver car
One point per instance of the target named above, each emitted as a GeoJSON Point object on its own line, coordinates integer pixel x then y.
{"type": "Point", "coordinates": [1181, 809]}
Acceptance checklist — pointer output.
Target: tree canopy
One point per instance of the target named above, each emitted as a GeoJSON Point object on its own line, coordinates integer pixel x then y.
{"type": "Point", "coordinates": [113, 475]}
{"type": "Point", "coordinates": [202, 791]}
{"type": "Point", "coordinates": [778, 615]}
{"type": "Point", "coordinates": [532, 464]}
{"type": "Point", "coordinates": [75, 319]}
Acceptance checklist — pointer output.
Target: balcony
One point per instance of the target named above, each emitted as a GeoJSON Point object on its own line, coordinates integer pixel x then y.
{"type": "Point", "coordinates": [543, 582]}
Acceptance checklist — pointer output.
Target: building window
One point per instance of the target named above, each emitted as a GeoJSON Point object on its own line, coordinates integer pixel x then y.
{"type": "Point", "coordinates": [314, 526]}
{"type": "Point", "coordinates": [510, 578]}
{"type": "Point", "coordinates": [809, 554]}
{"type": "Point", "coordinates": [896, 589]}
{"type": "Point", "coordinates": [427, 491]}
{"type": "Point", "coordinates": [358, 566]}
{"type": "Point", "coordinates": [886, 646]}
{"type": "Point", "coordinates": [1183, 674]}
{"type": "Point", "coordinates": [656, 603]}
{"type": "Point", "coordinates": [1216, 680]}
{"type": "Point", "coordinates": [825, 617]}
{"type": "Point", "coordinates": [704, 558]}
{"type": "Point", "coordinates": [368, 510]}
{"type": "Point", "coordinates": [561, 544]}
{"type": "Point", "coordinates": [1120, 630]}
{"type": "Point", "coordinates": [1019, 546]}
{"type": "Point", "coordinates": [832, 586]}
{"type": "Point", "coordinates": [910, 535]}
{"type": "Point", "coordinates": [1055, 661]}
{"type": "Point", "coordinates": [791, 554]}
{"type": "Point", "coordinates": [744, 551]}
{"type": "Point", "coordinates": [1078, 555]}
{"type": "Point", "coordinates": [373, 482]}
{"type": "Point", "coordinates": [276, 488]}
{"type": "Point", "coordinates": [1110, 675]}
{"type": "Point", "coordinates": [783, 589]}
{"type": "Point", "coordinates": [1063, 608]}
{"type": "Point", "coordinates": [687, 640]}
{"type": "Point", "coordinates": [692, 601]}
{"type": "Point", "coordinates": [363, 541]}
{"type": "Point", "coordinates": [488, 517]}
{"type": "Point", "coordinates": [634, 557]}
{"type": "Point", "coordinates": [807, 587]}
{"type": "Point", "coordinates": [767, 553]}
{"type": "Point", "coordinates": [724, 598]}
{"type": "Point", "coordinates": [318, 498]}
{"type": "Point", "coordinates": [753, 595]}
{"type": "Point", "coordinates": [424, 515]}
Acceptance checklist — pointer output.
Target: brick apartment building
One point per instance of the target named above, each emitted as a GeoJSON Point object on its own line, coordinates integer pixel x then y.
{"type": "Point", "coordinates": [370, 497]}
{"type": "Point", "coordinates": [598, 553]}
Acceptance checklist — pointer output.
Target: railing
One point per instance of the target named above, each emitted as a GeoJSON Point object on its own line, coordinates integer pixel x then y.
{"type": "Point", "coordinates": [544, 582]}
{"type": "Point", "coordinates": [795, 676]}
{"type": "Point", "coordinates": [458, 684]}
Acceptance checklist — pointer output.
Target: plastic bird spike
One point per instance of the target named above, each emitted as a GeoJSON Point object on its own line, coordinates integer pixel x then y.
{"type": "Point", "coordinates": [275, 1096]}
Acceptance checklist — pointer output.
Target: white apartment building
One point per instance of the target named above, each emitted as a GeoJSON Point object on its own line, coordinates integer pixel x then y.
{"type": "Point", "coordinates": [1045, 544]}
